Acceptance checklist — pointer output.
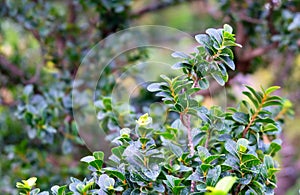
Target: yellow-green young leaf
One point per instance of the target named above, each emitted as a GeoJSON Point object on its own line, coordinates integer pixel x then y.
{"type": "Point", "coordinates": [213, 191]}
{"type": "Point", "coordinates": [27, 184]}
{"type": "Point", "coordinates": [271, 89]}
{"type": "Point", "coordinates": [31, 181]}
{"type": "Point", "coordinates": [226, 183]}
{"type": "Point", "coordinates": [144, 120]}
{"type": "Point", "coordinates": [87, 186]}
{"type": "Point", "coordinates": [287, 104]}
{"type": "Point", "coordinates": [242, 145]}
{"type": "Point", "coordinates": [222, 187]}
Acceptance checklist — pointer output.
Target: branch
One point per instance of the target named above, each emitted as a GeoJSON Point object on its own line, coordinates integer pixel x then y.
{"type": "Point", "coordinates": [246, 18]}
{"type": "Point", "coordinates": [156, 7]}
{"type": "Point", "coordinates": [186, 121]}
{"type": "Point", "coordinates": [10, 68]}
{"type": "Point", "coordinates": [15, 73]}
{"type": "Point", "coordinates": [269, 18]}
{"type": "Point", "coordinates": [258, 52]}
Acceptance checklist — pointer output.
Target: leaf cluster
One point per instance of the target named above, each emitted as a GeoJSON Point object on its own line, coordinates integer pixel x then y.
{"type": "Point", "coordinates": [230, 151]}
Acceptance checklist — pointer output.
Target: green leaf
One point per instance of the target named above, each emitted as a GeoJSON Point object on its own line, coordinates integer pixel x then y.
{"type": "Point", "coordinates": [36, 191]}
{"type": "Point", "coordinates": [274, 147]}
{"type": "Point", "coordinates": [166, 135]}
{"type": "Point", "coordinates": [155, 87]}
{"type": "Point", "coordinates": [253, 100]}
{"type": "Point", "coordinates": [87, 186]}
{"type": "Point", "coordinates": [106, 182]}
{"type": "Point", "coordinates": [211, 158]}
{"type": "Point", "coordinates": [203, 83]}
{"type": "Point", "coordinates": [99, 155]}
{"type": "Point", "coordinates": [203, 39]}
{"type": "Point", "coordinates": [192, 91]}
{"type": "Point", "coordinates": [269, 162]}
{"type": "Point", "coordinates": [97, 164]}
{"type": "Point", "coordinates": [213, 175]}
{"type": "Point", "coordinates": [180, 65]}
{"type": "Point", "coordinates": [246, 179]}
{"type": "Point", "coordinates": [256, 187]}
{"type": "Point", "coordinates": [241, 117]}
{"type": "Point", "coordinates": [229, 62]}
{"type": "Point", "coordinates": [227, 52]}
{"type": "Point", "coordinates": [215, 35]}
{"type": "Point", "coordinates": [204, 167]}
{"type": "Point", "coordinates": [229, 43]}
{"type": "Point", "coordinates": [107, 103]}
{"type": "Point", "coordinates": [270, 129]}
{"type": "Point", "coordinates": [219, 78]}
{"type": "Point", "coordinates": [256, 94]}
{"type": "Point", "coordinates": [164, 77]}
{"type": "Point", "coordinates": [87, 159]}
{"type": "Point", "coordinates": [231, 147]}
{"type": "Point", "coordinates": [272, 103]}
{"type": "Point", "coordinates": [203, 153]}
{"type": "Point", "coordinates": [227, 28]}
{"type": "Point", "coordinates": [118, 151]}
{"type": "Point", "coordinates": [115, 173]}
{"type": "Point", "coordinates": [61, 190]}
{"type": "Point", "coordinates": [172, 181]}
{"type": "Point", "coordinates": [249, 160]}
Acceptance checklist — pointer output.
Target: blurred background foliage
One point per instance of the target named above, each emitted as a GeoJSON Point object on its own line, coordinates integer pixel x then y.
{"type": "Point", "coordinates": [43, 42]}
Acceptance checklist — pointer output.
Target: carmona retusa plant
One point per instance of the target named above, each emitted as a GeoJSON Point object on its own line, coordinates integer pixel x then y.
{"type": "Point", "coordinates": [202, 150]}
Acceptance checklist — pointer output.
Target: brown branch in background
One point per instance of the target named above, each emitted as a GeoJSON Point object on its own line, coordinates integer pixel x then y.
{"type": "Point", "coordinates": [156, 7]}
{"type": "Point", "coordinates": [270, 23]}
{"type": "Point", "coordinates": [72, 17]}
{"type": "Point", "coordinates": [244, 17]}
{"type": "Point", "coordinates": [71, 12]}
{"type": "Point", "coordinates": [240, 35]}
{"type": "Point", "coordinates": [10, 68]}
{"type": "Point", "coordinates": [15, 74]}
{"type": "Point", "coordinates": [258, 52]}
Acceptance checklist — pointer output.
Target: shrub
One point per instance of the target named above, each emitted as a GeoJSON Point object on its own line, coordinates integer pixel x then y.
{"type": "Point", "coordinates": [203, 150]}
